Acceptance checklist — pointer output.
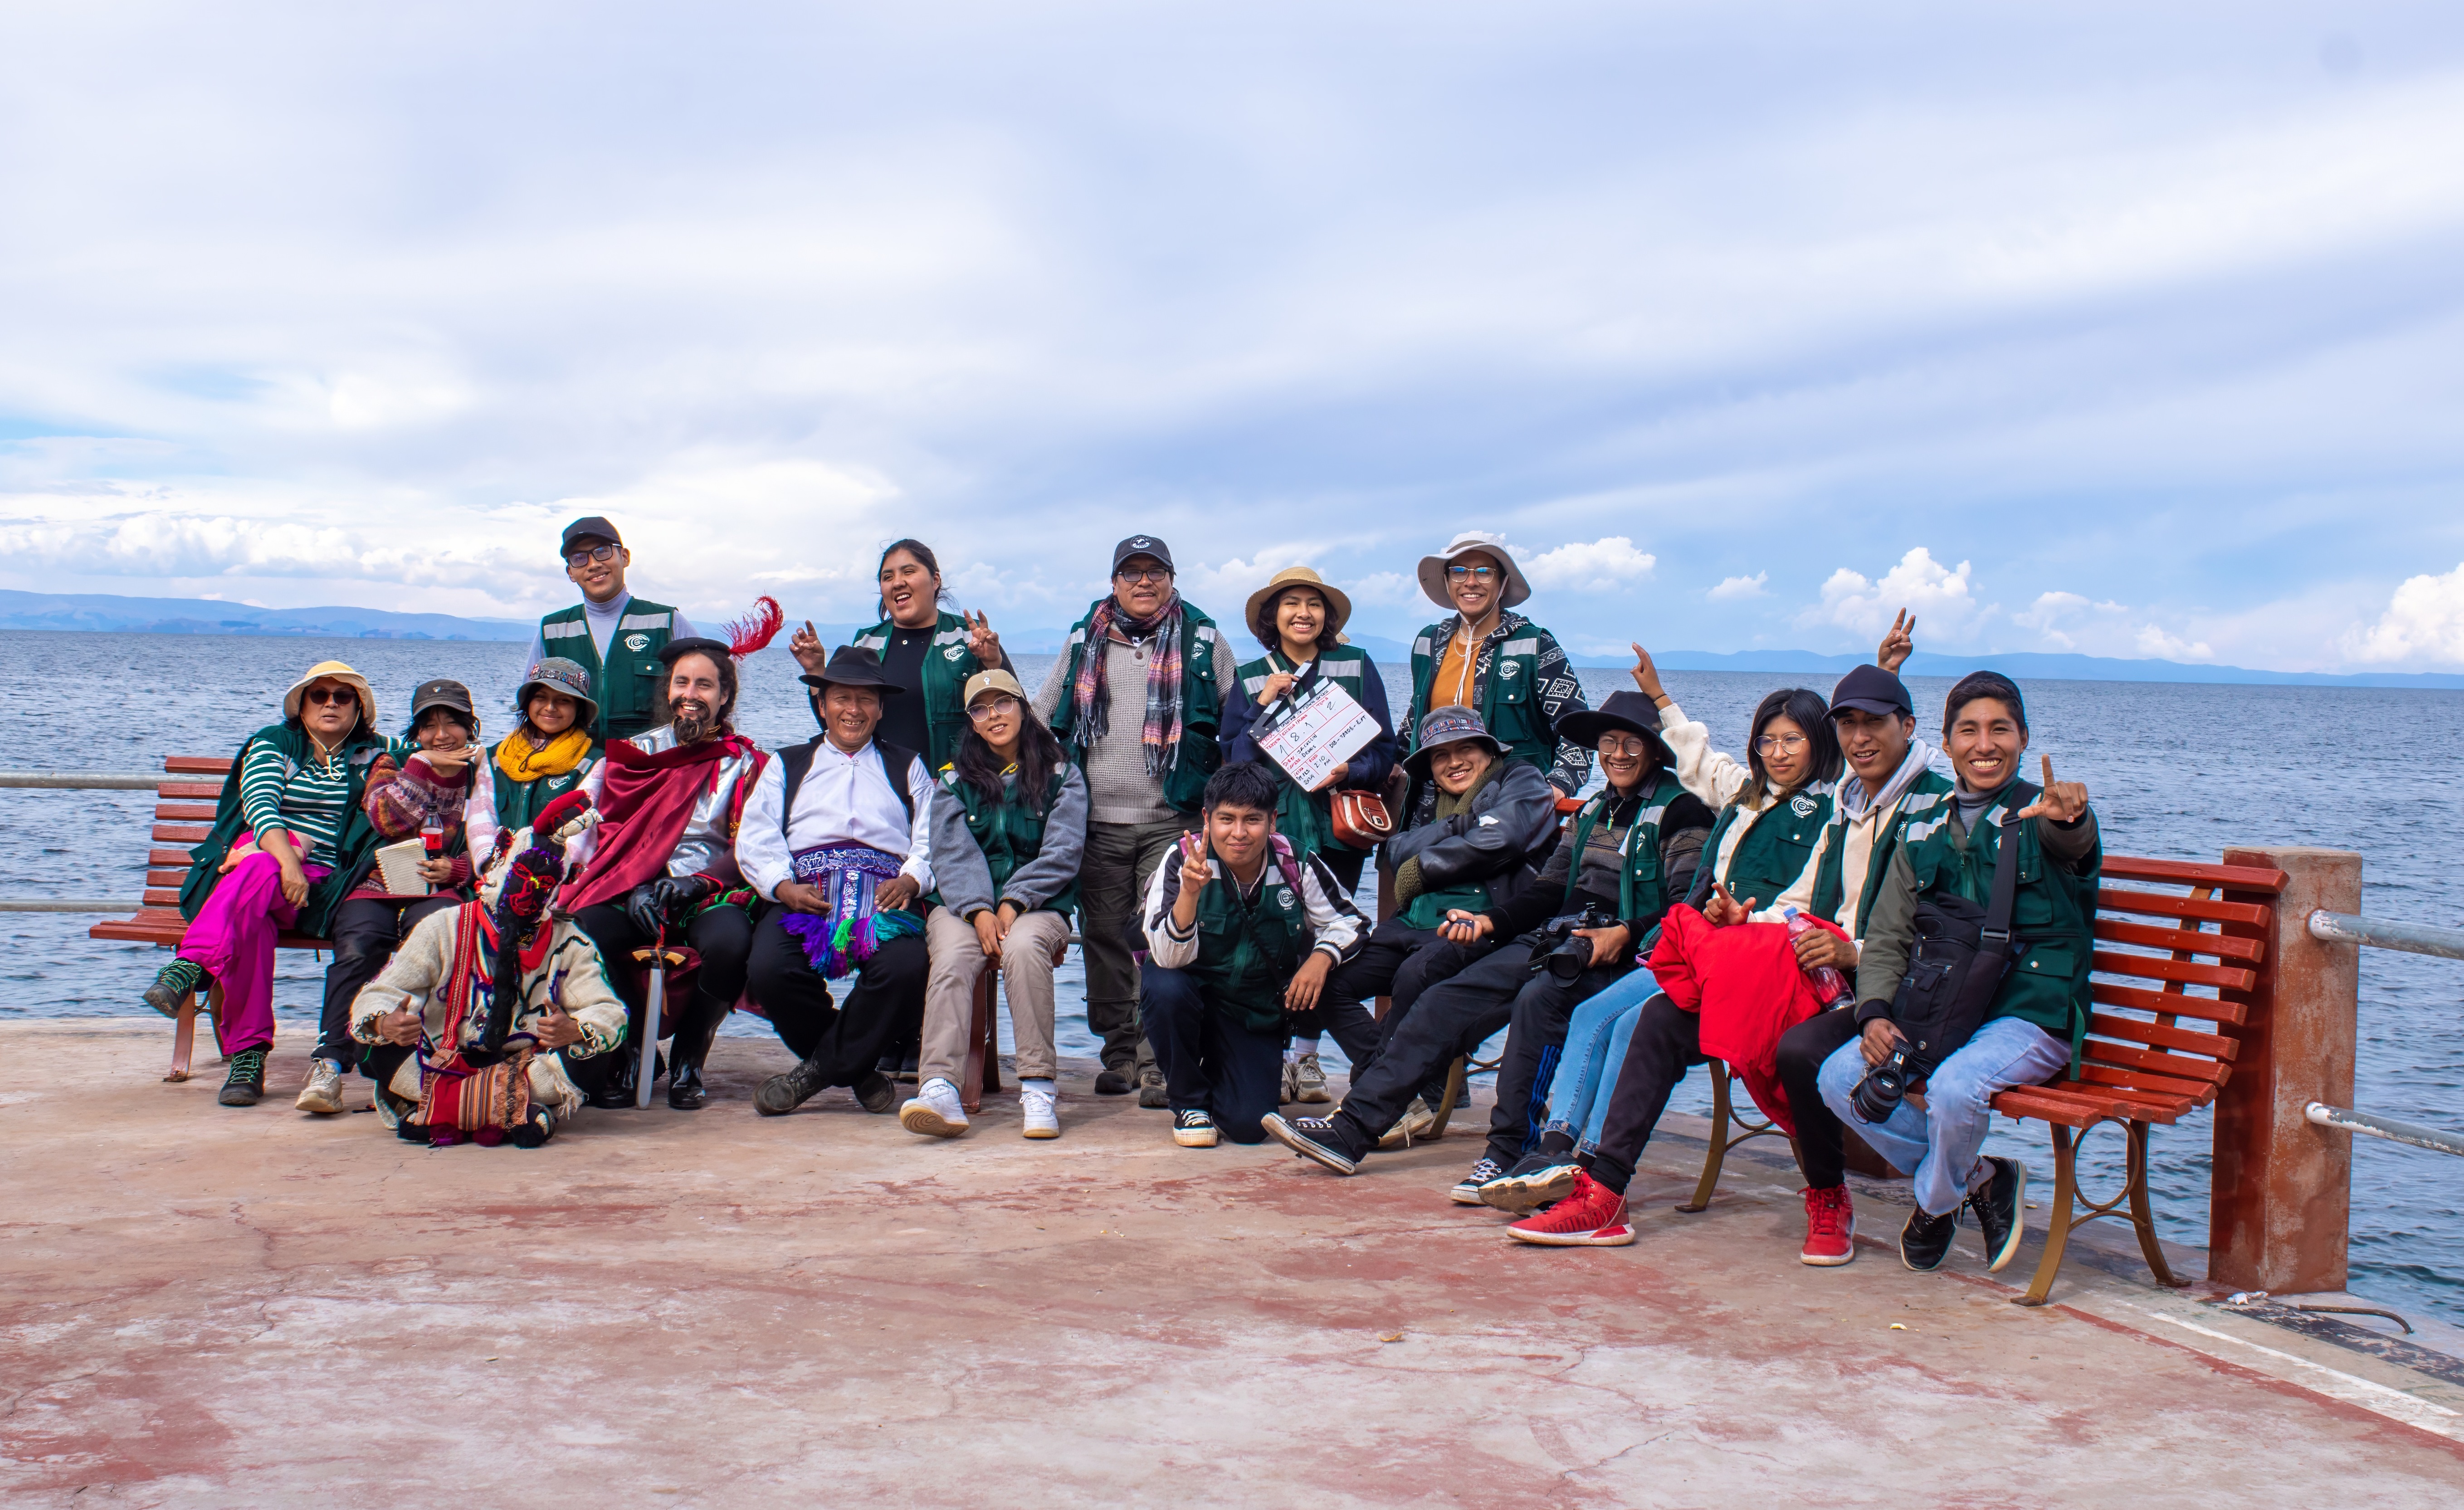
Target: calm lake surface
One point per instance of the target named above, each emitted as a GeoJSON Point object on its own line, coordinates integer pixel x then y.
{"type": "Point", "coordinates": [2177, 771]}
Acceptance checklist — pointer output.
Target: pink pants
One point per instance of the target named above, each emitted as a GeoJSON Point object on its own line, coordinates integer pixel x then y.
{"type": "Point", "coordinates": [233, 938]}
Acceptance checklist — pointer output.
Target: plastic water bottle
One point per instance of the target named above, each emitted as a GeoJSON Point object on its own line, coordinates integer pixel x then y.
{"type": "Point", "coordinates": [1828, 983]}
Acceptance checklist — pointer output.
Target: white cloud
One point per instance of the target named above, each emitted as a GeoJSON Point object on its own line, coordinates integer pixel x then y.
{"type": "Point", "coordinates": [1941, 597]}
{"type": "Point", "coordinates": [1599, 566]}
{"type": "Point", "coordinates": [2423, 622]}
{"type": "Point", "coordinates": [1387, 590]}
{"type": "Point", "coordinates": [2067, 621]}
{"type": "Point", "coordinates": [1735, 589]}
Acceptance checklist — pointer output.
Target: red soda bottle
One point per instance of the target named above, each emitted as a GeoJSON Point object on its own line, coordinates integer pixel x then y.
{"type": "Point", "coordinates": [1828, 983]}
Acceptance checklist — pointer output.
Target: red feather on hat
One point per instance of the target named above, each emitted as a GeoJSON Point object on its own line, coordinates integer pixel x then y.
{"type": "Point", "coordinates": [755, 630]}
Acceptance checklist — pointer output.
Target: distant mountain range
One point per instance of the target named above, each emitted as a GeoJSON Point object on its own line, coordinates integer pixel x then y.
{"type": "Point", "coordinates": [99, 611]}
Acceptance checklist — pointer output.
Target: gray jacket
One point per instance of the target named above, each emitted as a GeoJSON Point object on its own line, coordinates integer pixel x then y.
{"type": "Point", "coordinates": [967, 881]}
{"type": "Point", "coordinates": [1490, 842]}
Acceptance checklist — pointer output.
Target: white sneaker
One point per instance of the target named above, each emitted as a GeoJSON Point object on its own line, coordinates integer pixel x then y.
{"type": "Point", "coordinates": [934, 1110]}
{"type": "Point", "coordinates": [323, 1092]}
{"type": "Point", "coordinates": [1415, 1123]}
{"type": "Point", "coordinates": [1040, 1109]}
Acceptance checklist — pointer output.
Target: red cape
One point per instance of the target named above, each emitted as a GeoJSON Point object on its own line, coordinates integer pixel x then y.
{"type": "Point", "coordinates": [1745, 983]}
{"type": "Point", "coordinates": [643, 811]}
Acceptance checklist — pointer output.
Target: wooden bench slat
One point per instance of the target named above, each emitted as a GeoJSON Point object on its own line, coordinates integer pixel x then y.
{"type": "Point", "coordinates": [182, 832]}
{"type": "Point", "coordinates": [2060, 1104]}
{"type": "Point", "coordinates": [2189, 972]}
{"type": "Point", "coordinates": [184, 812]}
{"type": "Point", "coordinates": [165, 926]}
{"type": "Point", "coordinates": [172, 879]}
{"type": "Point", "coordinates": [197, 765]}
{"type": "Point", "coordinates": [2162, 1088]}
{"type": "Point", "coordinates": [2213, 1008]}
{"type": "Point", "coordinates": [2195, 872]}
{"type": "Point", "coordinates": [2137, 1030]}
{"type": "Point", "coordinates": [161, 896]}
{"type": "Point", "coordinates": [190, 792]}
{"type": "Point", "coordinates": [2164, 904]}
{"type": "Point", "coordinates": [168, 858]}
{"type": "Point", "coordinates": [2155, 1062]}
{"type": "Point", "coordinates": [2220, 946]}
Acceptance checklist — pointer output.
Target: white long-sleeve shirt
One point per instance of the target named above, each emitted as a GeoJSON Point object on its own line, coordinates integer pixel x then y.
{"type": "Point", "coordinates": [1333, 922]}
{"type": "Point", "coordinates": [843, 799]}
{"type": "Point", "coordinates": [480, 815]}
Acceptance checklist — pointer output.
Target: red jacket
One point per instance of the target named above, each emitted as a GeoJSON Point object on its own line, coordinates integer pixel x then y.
{"type": "Point", "coordinates": [1745, 983]}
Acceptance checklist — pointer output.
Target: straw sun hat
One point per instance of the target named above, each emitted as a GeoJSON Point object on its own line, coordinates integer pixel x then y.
{"type": "Point", "coordinates": [333, 671]}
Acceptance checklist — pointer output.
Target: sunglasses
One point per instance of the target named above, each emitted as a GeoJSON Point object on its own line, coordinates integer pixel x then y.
{"type": "Point", "coordinates": [320, 696]}
{"type": "Point", "coordinates": [583, 558]}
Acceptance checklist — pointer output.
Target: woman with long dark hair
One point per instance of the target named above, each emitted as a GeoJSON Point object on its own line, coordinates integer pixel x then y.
{"type": "Point", "coordinates": [1009, 825]}
{"type": "Point", "coordinates": [926, 651]}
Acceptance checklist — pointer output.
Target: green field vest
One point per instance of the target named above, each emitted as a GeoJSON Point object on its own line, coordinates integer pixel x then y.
{"type": "Point", "coordinates": [1641, 895]}
{"type": "Point", "coordinates": [1775, 851]}
{"type": "Point", "coordinates": [1929, 791]}
{"type": "Point", "coordinates": [948, 663]}
{"type": "Point", "coordinates": [1248, 951]}
{"type": "Point", "coordinates": [1508, 695]}
{"type": "Point", "coordinates": [628, 686]}
{"type": "Point", "coordinates": [1202, 709]}
{"type": "Point", "coordinates": [2052, 916]}
{"type": "Point", "coordinates": [518, 802]}
{"type": "Point", "coordinates": [1304, 817]}
{"type": "Point", "coordinates": [355, 848]}
{"type": "Point", "coordinates": [1008, 833]}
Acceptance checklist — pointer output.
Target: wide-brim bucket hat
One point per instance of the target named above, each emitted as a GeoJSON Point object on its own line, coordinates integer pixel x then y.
{"type": "Point", "coordinates": [333, 671]}
{"type": "Point", "coordinates": [1433, 568]}
{"type": "Point", "coordinates": [1448, 725]}
{"type": "Point", "coordinates": [565, 678]}
{"type": "Point", "coordinates": [1338, 604]}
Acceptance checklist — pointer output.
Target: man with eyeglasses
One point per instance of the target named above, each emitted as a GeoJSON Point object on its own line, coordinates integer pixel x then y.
{"type": "Point", "coordinates": [1136, 700]}
{"type": "Point", "coordinates": [1491, 659]}
{"type": "Point", "coordinates": [614, 634]}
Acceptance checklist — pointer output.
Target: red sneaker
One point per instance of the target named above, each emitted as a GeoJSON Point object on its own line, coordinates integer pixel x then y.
{"type": "Point", "coordinates": [1830, 1228]}
{"type": "Point", "coordinates": [1593, 1216]}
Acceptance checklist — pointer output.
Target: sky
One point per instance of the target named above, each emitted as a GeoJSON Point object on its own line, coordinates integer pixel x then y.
{"type": "Point", "coordinates": [2127, 330]}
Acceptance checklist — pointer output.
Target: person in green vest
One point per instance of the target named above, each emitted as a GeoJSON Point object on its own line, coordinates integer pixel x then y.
{"type": "Point", "coordinates": [1009, 822]}
{"type": "Point", "coordinates": [1241, 931]}
{"type": "Point", "coordinates": [1299, 618]}
{"type": "Point", "coordinates": [289, 839]}
{"type": "Point", "coordinates": [2033, 1028]}
{"type": "Point", "coordinates": [1136, 700]}
{"type": "Point", "coordinates": [927, 651]}
{"type": "Point", "coordinates": [1485, 656]}
{"type": "Point", "coordinates": [613, 635]}
{"type": "Point", "coordinates": [549, 753]}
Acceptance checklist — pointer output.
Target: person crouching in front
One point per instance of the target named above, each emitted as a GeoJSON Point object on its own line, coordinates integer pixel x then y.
{"type": "Point", "coordinates": [1009, 823]}
{"type": "Point", "coordinates": [1240, 933]}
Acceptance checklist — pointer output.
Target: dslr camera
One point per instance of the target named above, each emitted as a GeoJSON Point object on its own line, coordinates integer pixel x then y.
{"type": "Point", "coordinates": [1878, 1094]}
{"type": "Point", "coordinates": [1562, 952]}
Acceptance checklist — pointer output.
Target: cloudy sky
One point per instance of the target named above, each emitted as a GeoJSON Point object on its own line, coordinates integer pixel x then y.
{"type": "Point", "coordinates": [2131, 330]}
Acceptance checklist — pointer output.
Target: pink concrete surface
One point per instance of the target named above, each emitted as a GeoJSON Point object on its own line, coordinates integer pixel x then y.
{"type": "Point", "coordinates": [204, 1307]}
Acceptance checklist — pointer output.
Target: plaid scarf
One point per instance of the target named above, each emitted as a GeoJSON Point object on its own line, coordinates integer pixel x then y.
{"type": "Point", "coordinates": [1092, 694]}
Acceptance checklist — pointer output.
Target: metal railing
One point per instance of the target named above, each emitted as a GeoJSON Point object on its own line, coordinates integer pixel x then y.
{"type": "Point", "coordinates": [2410, 938]}
{"type": "Point", "coordinates": [83, 780]}
{"type": "Point", "coordinates": [2387, 1127]}
{"type": "Point", "coordinates": [69, 905]}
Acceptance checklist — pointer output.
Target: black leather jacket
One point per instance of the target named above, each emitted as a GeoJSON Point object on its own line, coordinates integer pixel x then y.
{"type": "Point", "coordinates": [1491, 842]}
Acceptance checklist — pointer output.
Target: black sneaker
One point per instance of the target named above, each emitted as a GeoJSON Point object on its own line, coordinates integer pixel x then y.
{"type": "Point", "coordinates": [1192, 1128]}
{"type": "Point", "coordinates": [1925, 1241]}
{"type": "Point", "coordinates": [1113, 1083]}
{"type": "Point", "coordinates": [1466, 1190]}
{"type": "Point", "coordinates": [1536, 1180]}
{"type": "Point", "coordinates": [2000, 1204]}
{"type": "Point", "coordinates": [246, 1086]}
{"type": "Point", "coordinates": [878, 1096]}
{"type": "Point", "coordinates": [1312, 1138]}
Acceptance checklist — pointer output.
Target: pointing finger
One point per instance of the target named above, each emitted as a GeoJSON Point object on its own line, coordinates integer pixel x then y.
{"type": "Point", "coordinates": [2046, 765]}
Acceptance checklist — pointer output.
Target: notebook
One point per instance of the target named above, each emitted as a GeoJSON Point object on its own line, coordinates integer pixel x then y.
{"type": "Point", "coordinates": [399, 865]}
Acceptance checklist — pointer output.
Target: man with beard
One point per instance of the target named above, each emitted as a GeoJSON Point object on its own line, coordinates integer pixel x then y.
{"type": "Point", "coordinates": [665, 867]}
{"type": "Point", "coordinates": [838, 835]}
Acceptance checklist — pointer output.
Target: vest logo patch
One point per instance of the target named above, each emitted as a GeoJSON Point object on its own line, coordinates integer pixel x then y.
{"type": "Point", "coordinates": [1509, 668]}
{"type": "Point", "coordinates": [953, 652]}
{"type": "Point", "coordinates": [1801, 804]}
{"type": "Point", "coordinates": [1284, 898]}
{"type": "Point", "coordinates": [637, 643]}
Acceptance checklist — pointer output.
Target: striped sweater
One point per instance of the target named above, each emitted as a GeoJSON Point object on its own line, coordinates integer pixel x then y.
{"type": "Point", "coordinates": [310, 801]}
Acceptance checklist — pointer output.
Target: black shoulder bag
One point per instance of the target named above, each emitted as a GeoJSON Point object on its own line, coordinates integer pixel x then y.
{"type": "Point", "coordinates": [1958, 959]}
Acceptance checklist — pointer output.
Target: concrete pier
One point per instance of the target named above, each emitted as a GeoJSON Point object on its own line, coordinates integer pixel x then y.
{"type": "Point", "coordinates": [206, 1306]}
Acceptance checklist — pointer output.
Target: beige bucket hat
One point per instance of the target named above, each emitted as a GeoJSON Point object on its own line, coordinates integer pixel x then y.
{"type": "Point", "coordinates": [1433, 568]}
{"type": "Point", "coordinates": [333, 671]}
{"type": "Point", "coordinates": [1338, 605]}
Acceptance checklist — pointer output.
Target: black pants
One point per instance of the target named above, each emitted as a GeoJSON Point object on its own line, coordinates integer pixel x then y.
{"type": "Point", "coordinates": [367, 931]}
{"type": "Point", "coordinates": [884, 1009]}
{"type": "Point", "coordinates": [723, 938]}
{"type": "Point", "coordinates": [1535, 1036]}
{"type": "Point", "coordinates": [1667, 1042]}
{"type": "Point", "coordinates": [1397, 961]}
{"type": "Point", "coordinates": [1452, 1016]}
{"type": "Point", "coordinates": [1211, 1062]}
{"type": "Point", "coordinates": [1821, 1146]}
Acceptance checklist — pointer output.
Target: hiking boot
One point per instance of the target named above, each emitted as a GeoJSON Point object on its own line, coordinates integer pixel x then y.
{"type": "Point", "coordinates": [1308, 1081]}
{"type": "Point", "coordinates": [1039, 1108]}
{"type": "Point", "coordinates": [934, 1111]}
{"type": "Point", "coordinates": [1112, 1082]}
{"type": "Point", "coordinates": [1466, 1190]}
{"type": "Point", "coordinates": [323, 1092]}
{"type": "Point", "coordinates": [1192, 1129]}
{"type": "Point", "coordinates": [2000, 1210]}
{"type": "Point", "coordinates": [781, 1094]}
{"type": "Point", "coordinates": [1536, 1180]}
{"type": "Point", "coordinates": [1925, 1242]}
{"type": "Point", "coordinates": [1830, 1228]}
{"type": "Point", "coordinates": [1151, 1093]}
{"type": "Point", "coordinates": [246, 1086]}
{"type": "Point", "coordinates": [876, 1093]}
{"type": "Point", "coordinates": [176, 983]}
{"type": "Point", "coordinates": [1287, 1093]}
{"type": "Point", "coordinates": [1415, 1123]}
{"type": "Point", "coordinates": [1312, 1138]}
{"type": "Point", "coordinates": [1591, 1216]}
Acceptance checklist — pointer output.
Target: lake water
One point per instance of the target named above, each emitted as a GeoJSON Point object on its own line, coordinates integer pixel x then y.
{"type": "Point", "coordinates": [2177, 771]}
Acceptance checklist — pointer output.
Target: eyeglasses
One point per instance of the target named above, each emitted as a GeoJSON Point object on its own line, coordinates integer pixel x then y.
{"type": "Point", "coordinates": [1615, 748]}
{"type": "Point", "coordinates": [993, 708]}
{"type": "Point", "coordinates": [1773, 743]}
{"type": "Point", "coordinates": [1471, 573]}
{"type": "Point", "coordinates": [583, 558]}
{"type": "Point", "coordinates": [1132, 576]}
{"type": "Point", "coordinates": [320, 696]}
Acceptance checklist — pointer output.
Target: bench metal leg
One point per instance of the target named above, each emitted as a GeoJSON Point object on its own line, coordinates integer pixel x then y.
{"type": "Point", "coordinates": [1717, 1154]}
{"type": "Point", "coordinates": [1458, 1079]}
{"type": "Point", "coordinates": [2141, 1216]}
{"type": "Point", "coordinates": [184, 1040]}
{"type": "Point", "coordinates": [2058, 1227]}
{"type": "Point", "coordinates": [982, 1071]}
{"type": "Point", "coordinates": [215, 1006]}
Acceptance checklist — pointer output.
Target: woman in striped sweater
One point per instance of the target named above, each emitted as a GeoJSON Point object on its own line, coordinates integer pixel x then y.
{"type": "Point", "coordinates": [288, 842]}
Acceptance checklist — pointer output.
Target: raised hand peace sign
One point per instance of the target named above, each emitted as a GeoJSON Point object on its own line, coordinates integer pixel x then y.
{"type": "Point", "coordinates": [2062, 801]}
{"type": "Point", "coordinates": [981, 640]}
{"type": "Point", "coordinates": [806, 646]}
{"type": "Point", "coordinates": [1899, 644]}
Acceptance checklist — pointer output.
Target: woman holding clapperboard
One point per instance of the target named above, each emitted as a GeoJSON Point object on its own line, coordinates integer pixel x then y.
{"type": "Point", "coordinates": [1300, 618]}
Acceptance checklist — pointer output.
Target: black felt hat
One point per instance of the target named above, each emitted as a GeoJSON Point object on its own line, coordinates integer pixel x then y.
{"type": "Point", "coordinates": [1625, 711]}
{"type": "Point", "coordinates": [676, 649]}
{"type": "Point", "coordinates": [854, 666]}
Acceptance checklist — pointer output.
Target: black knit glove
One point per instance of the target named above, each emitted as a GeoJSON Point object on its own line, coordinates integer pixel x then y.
{"type": "Point", "coordinates": [651, 904]}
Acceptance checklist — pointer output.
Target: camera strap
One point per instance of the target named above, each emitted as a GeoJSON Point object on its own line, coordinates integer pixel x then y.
{"type": "Point", "coordinates": [1993, 950]}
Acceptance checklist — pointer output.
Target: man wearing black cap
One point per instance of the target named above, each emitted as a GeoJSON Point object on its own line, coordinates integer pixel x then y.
{"type": "Point", "coordinates": [664, 866]}
{"type": "Point", "coordinates": [611, 633]}
{"type": "Point", "coordinates": [838, 836]}
{"type": "Point", "coordinates": [1136, 698]}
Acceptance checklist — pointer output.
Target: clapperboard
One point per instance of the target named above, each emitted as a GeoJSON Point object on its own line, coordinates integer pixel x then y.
{"type": "Point", "coordinates": [1315, 731]}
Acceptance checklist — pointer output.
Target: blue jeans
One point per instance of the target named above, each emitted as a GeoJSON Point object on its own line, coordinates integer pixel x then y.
{"type": "Point", "coordinates": [1595, 1043]}
{"type": "Point", "coordinates": [1937, 1143]}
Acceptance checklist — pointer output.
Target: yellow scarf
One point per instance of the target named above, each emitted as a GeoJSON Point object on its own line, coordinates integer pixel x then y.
{"type": "Point", "coordinates": [515, 758]}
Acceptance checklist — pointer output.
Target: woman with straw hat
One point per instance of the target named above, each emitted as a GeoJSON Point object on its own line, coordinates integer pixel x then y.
{"type": "Point", "coordinates": [1485, 656]}
{"type": "Point", "coordinates": [1299, 617]}
{"type": "Point", "coordinates": [291, 837]}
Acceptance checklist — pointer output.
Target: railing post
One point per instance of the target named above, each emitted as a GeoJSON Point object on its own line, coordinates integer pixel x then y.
{"type": "Point", "coordinates": [2281, 1196]}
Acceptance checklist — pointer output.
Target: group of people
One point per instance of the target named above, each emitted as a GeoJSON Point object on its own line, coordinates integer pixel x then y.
{"type": "Point", "coordinates": [625, 857]}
